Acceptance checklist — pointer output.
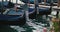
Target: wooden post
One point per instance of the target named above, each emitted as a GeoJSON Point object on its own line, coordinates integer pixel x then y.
{"type": "Point", "coordinates": [16, 6]}
{"type": "Point", "coordinates": [36, 5]}
{"type": "Point", "coordinates": [58, 3]}
{"type": "Point", "coordinates": [44, 2]}
{"type": "Point", "coordinates": [2, 8]}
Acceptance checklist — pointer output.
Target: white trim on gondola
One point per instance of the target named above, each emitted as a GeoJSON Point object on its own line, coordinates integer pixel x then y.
{"type": "Point", "coordinates": [40, 5]}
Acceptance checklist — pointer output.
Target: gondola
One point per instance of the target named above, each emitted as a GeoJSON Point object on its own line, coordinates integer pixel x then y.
{"type": "Point", "coordinates": [12, 17]}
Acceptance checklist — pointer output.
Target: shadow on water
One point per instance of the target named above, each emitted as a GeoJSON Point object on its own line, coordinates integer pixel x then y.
{"type": "Point", "coordinates": [6, 29]}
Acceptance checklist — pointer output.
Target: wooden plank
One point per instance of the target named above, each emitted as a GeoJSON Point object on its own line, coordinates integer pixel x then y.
{"type": "Point", "coordinates": [58, 3]}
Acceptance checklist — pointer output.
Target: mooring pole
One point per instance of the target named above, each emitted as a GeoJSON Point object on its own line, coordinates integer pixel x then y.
{"type": "Point", "coordinates": [2, 7]}
{"type": "Point", "coordinates": [44, 2]}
